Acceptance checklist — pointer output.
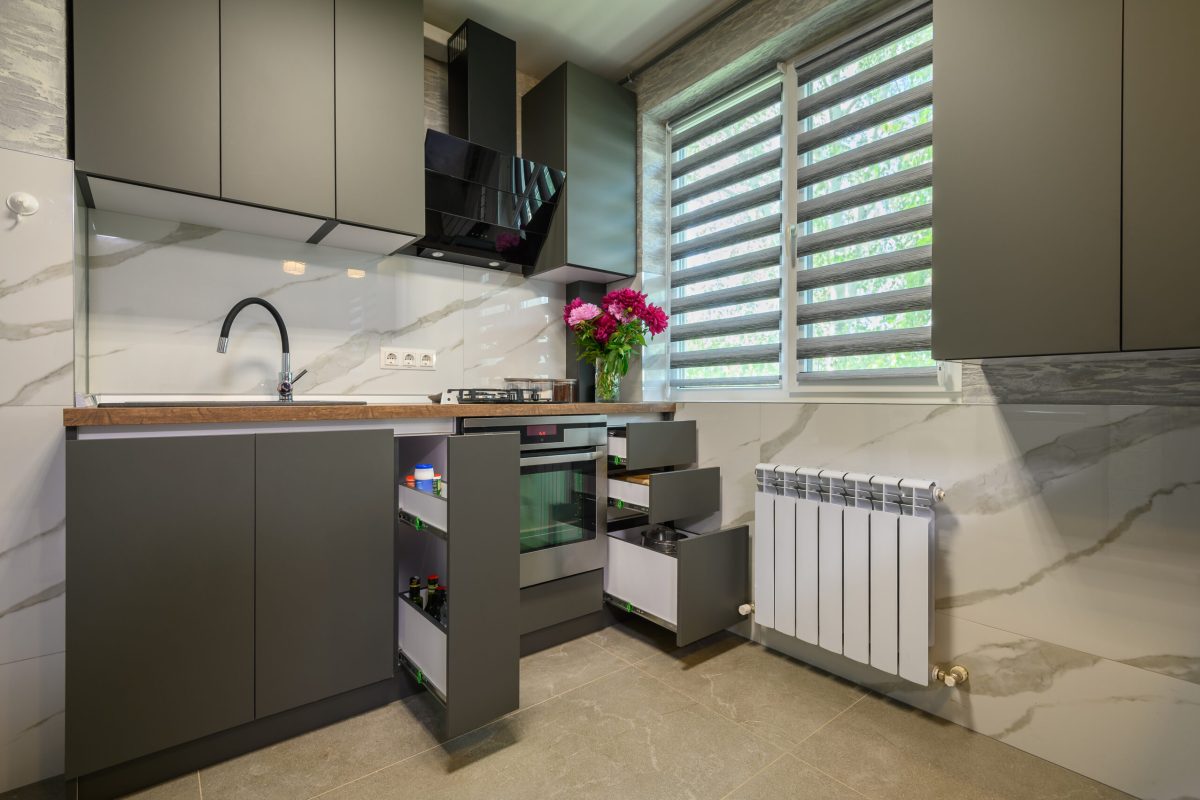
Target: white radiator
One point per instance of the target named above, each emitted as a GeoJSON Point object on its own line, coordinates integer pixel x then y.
{"type": "Point", "coordinates": [845, 561]}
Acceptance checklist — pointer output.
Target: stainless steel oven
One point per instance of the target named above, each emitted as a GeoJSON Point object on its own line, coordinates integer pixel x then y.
{"type": "Point", "coordinates": [564, 492]}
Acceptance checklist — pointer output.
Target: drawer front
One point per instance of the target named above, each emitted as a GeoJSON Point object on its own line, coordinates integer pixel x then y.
{"type": "Point", "coordinates": [651, 445]}
{"type": "Point", "coordinates": [683, 494]}
{"type": "Point", "coordinates": [562, 600]}
{"type": "Point", "coordinates": [714, 579]}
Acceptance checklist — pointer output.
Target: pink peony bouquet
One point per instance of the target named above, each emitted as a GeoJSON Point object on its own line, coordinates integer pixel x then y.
{"type": "Point", "coordinates": [607, 333]}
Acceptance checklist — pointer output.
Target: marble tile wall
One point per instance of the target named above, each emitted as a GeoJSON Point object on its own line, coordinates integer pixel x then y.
{"type": "Point", "coordinates": [158, 292]}
{"type": "Point", "coordinates": [36, 365]}
{"type": "Point", "coordinates": [1068, 556]}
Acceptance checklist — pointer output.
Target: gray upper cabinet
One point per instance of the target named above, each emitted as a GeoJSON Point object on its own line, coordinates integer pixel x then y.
{"type": "Point", "coordinates": [380, 128]}
{"type": "Point", "coordinates": [1027, 178]}
{"type": "Point", "coordinates": [277, 107]}
{"type": "Point", "coordinates": [324, 565]}
{"type": "Point", "coordinates": [160, 615]}
{"type": "Point", "coordinates": [1161, 171]}
{"type": "Point", "coordinates": [147, 91]}
{"type": "Point", "coordinates": [586, 125]}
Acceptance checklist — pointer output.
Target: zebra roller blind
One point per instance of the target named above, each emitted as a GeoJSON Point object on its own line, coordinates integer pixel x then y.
{"type": "Point", "coordinates": [726, 251]}
{"type": "Point", "coordinates": [864, 177]}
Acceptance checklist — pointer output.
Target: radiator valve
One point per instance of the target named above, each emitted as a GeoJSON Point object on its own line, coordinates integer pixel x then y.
{"type": "Point", "coordinates": [745, 609]}
{"type": "Point", "coordinates": [954, 676]}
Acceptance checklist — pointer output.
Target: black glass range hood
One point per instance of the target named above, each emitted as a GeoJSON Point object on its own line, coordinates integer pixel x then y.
{"type": "Point", "coordinates": [482, 207]}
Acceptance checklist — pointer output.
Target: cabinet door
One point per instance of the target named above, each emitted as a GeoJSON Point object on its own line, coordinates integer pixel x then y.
{"type": "Point", "coordinates": [1027, 177]}
{"type": "Point", "coordinates": [380, 132]}
{"type": "Point", "coordinates": [601, 131]}
{"type": "Point", "coordinates": [277, 129]}
{"type": "Point", "coordinates": [147, 91]}
{"type": "Point", "coordinates": [324, 565]}
{"type": "Point", "coordinates": [160, 616]}
{"type": "Point", "coordinates": [1162, 170]}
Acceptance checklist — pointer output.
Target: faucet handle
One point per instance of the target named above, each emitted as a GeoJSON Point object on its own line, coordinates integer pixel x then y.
{"type": "Point", "coordinates": [288, 382]}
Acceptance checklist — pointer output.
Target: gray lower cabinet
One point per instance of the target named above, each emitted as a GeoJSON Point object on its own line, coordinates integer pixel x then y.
{"type": "Point", "coordinates": [380, 133]}
{"type": "Point", "coordinates": [277, 104]}
{"type": "Point", "coordinates": [323, 565]}
{"type": "Point", "coordinates": [579, 122]}
{"type": "Point", "coordinates": [160, 612]}
{"type": "Point", "coordinates": [147, 91]}
{"type": "Point", "coordinates": [216, 580]}
{"type": "Point", "coordinates": [1026, 244]}
{"type": "Point", "coordinates": [1161, 171]}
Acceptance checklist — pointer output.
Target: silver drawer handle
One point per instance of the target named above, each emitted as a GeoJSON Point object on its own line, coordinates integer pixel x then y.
{"type": "Point", "coordinates": [533, 461]}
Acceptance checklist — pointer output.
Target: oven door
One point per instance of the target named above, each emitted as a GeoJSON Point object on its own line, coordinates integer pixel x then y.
{"type": "Point", "coordinates": [564, 498]}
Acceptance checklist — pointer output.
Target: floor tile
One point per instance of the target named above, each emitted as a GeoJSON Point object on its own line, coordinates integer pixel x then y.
{"type": "Point", "coordinates": [888, 751]}
{"type": "Point", "coordinates": [634, 639]}
{"type": "Point", "coordinates": [560, 669]}
{"type": "Point", "coordinates": [791, 778]}
{"type": "Point", "coordinates": [186, 787]}
{"type": "Point", "coordinates": [778, 698]}
{"type": "Point", "coordinates": [620, 736]}
{"type": "Point", "coordinates": [318, 761]}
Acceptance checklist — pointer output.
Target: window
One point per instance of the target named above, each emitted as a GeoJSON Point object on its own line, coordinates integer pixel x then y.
{"type": "Point", "coordinates": [858, 243]}
{"type": "Point", "coordinates": [726, 248]}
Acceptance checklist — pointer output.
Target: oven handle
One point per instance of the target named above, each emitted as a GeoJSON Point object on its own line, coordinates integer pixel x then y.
{"type": "Point", "coordinates": [564, 458]}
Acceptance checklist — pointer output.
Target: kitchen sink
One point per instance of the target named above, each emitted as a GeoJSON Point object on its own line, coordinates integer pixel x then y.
{"type": "Point", "coordinates": [220, 403]}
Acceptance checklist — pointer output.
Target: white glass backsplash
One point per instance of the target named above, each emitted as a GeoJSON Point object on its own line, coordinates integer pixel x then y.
{"type": "Point", "coordinates": [158, 292]}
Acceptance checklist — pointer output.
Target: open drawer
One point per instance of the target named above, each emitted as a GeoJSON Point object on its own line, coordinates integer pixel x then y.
{"type": "Point", "coordinates": [694, 591]}
{"type": "Point", "coordinates": [653, 445]}
{"type": "Point", "coordinates": [668, 496]}
{"type": "Point", "coordinates": [469, 539]}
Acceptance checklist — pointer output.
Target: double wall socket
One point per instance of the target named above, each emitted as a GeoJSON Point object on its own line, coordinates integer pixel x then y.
{"type": "Point", "coordinates": [407, 358]}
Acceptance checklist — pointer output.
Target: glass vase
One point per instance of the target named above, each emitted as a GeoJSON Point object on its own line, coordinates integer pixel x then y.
{"type": "Point", "coordinates": [608, 383]}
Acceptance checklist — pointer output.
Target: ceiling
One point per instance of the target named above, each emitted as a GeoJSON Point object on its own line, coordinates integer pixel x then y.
{"type": "Point", "coordinates": [608, 37]}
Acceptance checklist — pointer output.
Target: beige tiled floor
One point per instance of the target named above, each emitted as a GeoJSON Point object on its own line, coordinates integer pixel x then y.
{"type": "Point", "coordinates": [624, 714]}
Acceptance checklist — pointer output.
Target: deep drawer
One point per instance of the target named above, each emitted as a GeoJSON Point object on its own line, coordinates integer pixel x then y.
{"type": "Point", "coordinates": [694, 592]}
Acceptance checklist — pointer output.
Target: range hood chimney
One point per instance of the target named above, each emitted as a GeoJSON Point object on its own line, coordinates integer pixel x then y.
{"type": "Point", "coordinates": [482, 68]}
{"type": "Point", "coordinates": [484, 206]}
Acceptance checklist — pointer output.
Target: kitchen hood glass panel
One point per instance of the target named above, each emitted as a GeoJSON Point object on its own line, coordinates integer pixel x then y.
{"type": "Point", "coordinates": [483, 207]}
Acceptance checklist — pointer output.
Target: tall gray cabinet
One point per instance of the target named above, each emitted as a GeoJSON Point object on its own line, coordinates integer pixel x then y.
{"type": "Point", "coordinates": [148, 91]}
{"type": "Point", "coordinates": [1027, 179]}
{"type": "Point", "coordinates": [1161, 170]}
{"type": "Point", "coordinates": [578, 122]}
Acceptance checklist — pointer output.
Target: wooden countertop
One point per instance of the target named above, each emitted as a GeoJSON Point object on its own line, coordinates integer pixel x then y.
{"type": "Point", "coordinates": [197, 415]}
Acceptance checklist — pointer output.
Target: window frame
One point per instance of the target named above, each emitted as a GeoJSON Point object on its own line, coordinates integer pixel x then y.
{"type": "Point", "coordinates": [942, 385]}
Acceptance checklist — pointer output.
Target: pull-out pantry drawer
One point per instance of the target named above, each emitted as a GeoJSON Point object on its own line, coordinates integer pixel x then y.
{"type": "Point", "coordinates": [667, 496]}
{"type": "Point", "coordinates": [653, 445]}
{"type": "Point", "coordinates": [693, 589]}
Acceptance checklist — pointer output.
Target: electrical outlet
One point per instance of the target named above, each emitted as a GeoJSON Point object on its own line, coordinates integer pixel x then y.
{"type": "Point", "coordinates": [407, 358]}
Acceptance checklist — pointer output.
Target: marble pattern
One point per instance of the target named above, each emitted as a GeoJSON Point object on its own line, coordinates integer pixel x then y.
{"type": "Point", "coordinates": [1113, 379]}
{"type": "Point", "coordinates": [36, 336]}
{"type": "Point", "coordinates": [158, 292]}
{"type": "Point", "coordinates": [33, 76]}
{"type": "Point", "coordinates": [37, 290]}
{"type": "Point", "coordinates": [1066, 564]}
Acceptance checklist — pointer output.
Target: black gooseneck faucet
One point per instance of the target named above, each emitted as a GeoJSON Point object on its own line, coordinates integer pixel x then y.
{"type": "Point", "coordinates": [286, 379]}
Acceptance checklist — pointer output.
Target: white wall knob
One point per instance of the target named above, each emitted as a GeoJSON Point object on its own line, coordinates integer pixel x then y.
{"type": "Point", "coordinates": [23, 204]}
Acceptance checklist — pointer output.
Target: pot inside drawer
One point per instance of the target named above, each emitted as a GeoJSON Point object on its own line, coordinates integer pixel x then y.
{"type": "Point", "coordinates": [668, 496]}
{"type": "Point", "coordinates": [653, 445]}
